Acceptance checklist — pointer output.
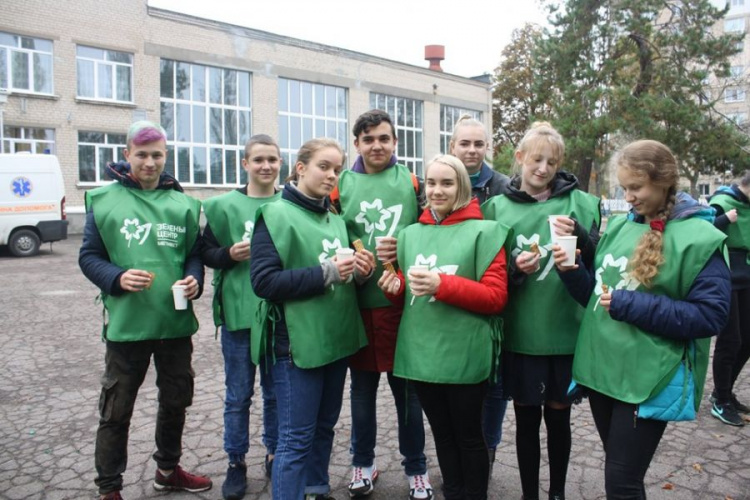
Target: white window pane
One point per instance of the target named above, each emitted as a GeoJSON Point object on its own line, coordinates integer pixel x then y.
{"type": "Point", "coordinates": [3, 67]}
{"type": "Point", "coordinates": [182, 81]}
{"type": "Point", "coordinates": [20, 70]}
{"type": "Point", "coordinates": [199, 83]}
{"type": "Point", "coordinates": [200, 166]}
{"type": "Point", "coordinates": [104, 85]}
{"type": "Point", "coordinates": [199, 124]}
{"type": "Point", "coordinates": [43, 73]}
{"type": "Point", "coordinates": [123, 83]}
{"type": "Point", "coordinates": [86, 78]}
{"type": "Point", "coordinates": [183, 122]}
{"type": "Point", "coordinates": [244, 90]}
{"type": "Point", "coordinates": [90, 52]}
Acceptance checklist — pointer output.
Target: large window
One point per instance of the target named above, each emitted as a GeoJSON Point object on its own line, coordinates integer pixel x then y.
{"type": "Point", "coordinates": [734, 25]}
{"type": "Point", "coordinates": [207, 115]}
{"type": "Point", "coordinates": [734, 94]}
{"type": "Point", "coordinates": [449, 115]}
{"type": "Point", "coordinates": [739, 119]}
{"type": "Point", "coordinates": [25, 63]}
{"type": "Point", "coordinates": [95, 151]}
{"type": "Point", "coordinates": [407, 117]}
{"type": "Point", "coordinates": [32, 140]}
{"type": "Point", "coordinates": [308, 110]}
{"type": "Point", "coordinates": [104, 74]}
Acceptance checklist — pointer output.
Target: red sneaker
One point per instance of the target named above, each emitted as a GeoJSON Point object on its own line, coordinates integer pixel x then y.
{"type": "Point", "coordinates": [181, 480]}
{"type": "Point", "coordinates": [112, 495]}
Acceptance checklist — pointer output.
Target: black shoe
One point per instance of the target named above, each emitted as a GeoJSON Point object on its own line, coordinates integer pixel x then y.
{"type": "Point", "coordinates": [556, 496]}
{"type": "Point", "coordinates": [318, 496]}
{"type": "Point", "coordinates": [727, 414]}
{"type": "Point", "coordinates": [739, 406]}
{"type": "Point", "coordinates": [235, 483]}
{"type": "Point", "coordinates": [268, 464]}
{"type": "Point", "coordinates": [492, 459]}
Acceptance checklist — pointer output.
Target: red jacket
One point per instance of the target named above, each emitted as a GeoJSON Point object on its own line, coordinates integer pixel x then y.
{"type": "Point", "coordinates": [486, 296]}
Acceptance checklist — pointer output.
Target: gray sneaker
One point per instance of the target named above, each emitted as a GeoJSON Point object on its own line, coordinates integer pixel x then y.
{"type": "Point", "coordinates": [727, 414]}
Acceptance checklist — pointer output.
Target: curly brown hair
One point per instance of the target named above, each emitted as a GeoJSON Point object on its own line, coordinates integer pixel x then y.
{"type": "Point", "coordinates": [654, 162]}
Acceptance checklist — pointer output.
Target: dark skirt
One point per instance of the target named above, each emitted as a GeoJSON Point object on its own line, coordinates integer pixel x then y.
{"type": "Point", "coordinates": [533, 380]}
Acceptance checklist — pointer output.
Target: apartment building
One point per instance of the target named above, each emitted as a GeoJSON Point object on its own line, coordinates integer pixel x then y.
{"type": "Point", "coordinates": [78, 73]}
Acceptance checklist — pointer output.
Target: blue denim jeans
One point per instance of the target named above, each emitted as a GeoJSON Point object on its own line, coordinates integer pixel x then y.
{"type": "Point", "coordinates": [495, 405]}
{"type": "Point", "coordinates": [239, 380]}
{"type": "Point", "coordinates": [309, 403]}
{"type": "Point", "coordinates": [364, 391]}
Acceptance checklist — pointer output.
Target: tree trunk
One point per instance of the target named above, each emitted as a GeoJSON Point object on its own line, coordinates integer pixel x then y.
{"type": "Point", "coordinates": [585, 174]}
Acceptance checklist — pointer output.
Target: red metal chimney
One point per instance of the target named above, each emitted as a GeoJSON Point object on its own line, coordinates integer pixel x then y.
{"type": "Point", "coordinates": [434, 54]}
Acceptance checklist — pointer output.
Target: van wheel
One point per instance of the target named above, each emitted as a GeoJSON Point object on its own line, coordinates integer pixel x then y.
{"type": "Point", "coordinates": [24, 243]}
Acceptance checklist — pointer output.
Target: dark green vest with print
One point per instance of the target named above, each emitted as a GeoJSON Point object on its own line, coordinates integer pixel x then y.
{"type": "Point", "coordinates": [232, 218]}
{"type": "Point", "coordinates": [373, 205]}
{"type": "Point", "coordinates": [738, 233]}
{"type": "Point", "coordinates": [619, 359]}
{"type": "Point", "coordinates": [438, 342]}
{"type": "Point", "coordinates": [153, 231]}
{"type": "Point", "coordinates": [541, 317]}
{"type": "Point", "coordinates": [326, 327]}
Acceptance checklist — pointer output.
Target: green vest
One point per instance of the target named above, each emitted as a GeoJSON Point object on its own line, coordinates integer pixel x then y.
{"type": "Point", "coordinates": [438, 342]}
{"type": "Point", "coordinates": [541, 317]}
{"type": "Point", "coordinates": [231, 217]}
{"type": "Point", "coordinates": [373, 205]}
{"type": "Point", "coordinates": [322, 328]}
{"type": "Point", "coordinates": [153, 231]}
{"type": "Point", "coordinates": [619, 359]}
{"type": "Point", "coordinates": [738, 232]}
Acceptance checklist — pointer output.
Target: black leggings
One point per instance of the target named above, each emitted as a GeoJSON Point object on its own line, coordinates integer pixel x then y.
{"type": "Point", "coordinates": [629, 445]}
{"type": "Point", "coordinates": [455, 415]}
{"type": "Point", "coordinates": [732, 348]}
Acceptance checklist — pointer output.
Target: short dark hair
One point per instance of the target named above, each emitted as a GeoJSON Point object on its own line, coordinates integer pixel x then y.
{"type": "Point", "coordinates": [370, 119]}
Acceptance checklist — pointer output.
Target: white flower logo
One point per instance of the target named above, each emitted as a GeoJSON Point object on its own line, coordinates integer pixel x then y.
{"type": "Point", "coordinates": [614, 270]}
{"type": "Point", "coordinates": [329, 248]}
{"type": "Point", "coordinates": [249, 226]}
{"type": "Point", "coordinates": [373, 216]}
{"type": "Point", "coordinates": [524, 244]}
{"type": "Point", "coordinates": [132, 229]}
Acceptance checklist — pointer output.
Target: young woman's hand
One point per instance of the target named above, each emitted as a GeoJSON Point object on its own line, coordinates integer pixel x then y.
{"type": "Point", "coordinates": [135, 280]}
{"type": "Point", "coordinates": [389, 283]}
{"type": "Point", "coordinates": [732, 215]}
{"type": "Point", "coordinates": [345, 267]}
{"type": "Point", "coordinates": [386, 251]}
{"type": "Point", "coordinates": [564, 226]}
{"type": "Point", "coordinates": [364, 262]}
{"type": "Point", "coordinates": [424, 283]}
{"type": "Point", "coordinates": [240, 251]}
{"type": "Point", "coordinates": [192, 286]}
{"type": "Point", "coordinates": [528, 262]}
{"type": "Point", "coordinates": [605, 300]}
{"type": "Point", "coordinates": [559, 255]}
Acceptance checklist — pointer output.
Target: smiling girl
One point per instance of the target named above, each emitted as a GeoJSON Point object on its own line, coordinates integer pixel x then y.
{"type": "Point", "coordinates": [657, 289]}
{"type": "Point", "coordinates": [448, 341]}
{"type": "Point", "coordinates": [311, 308]}
{"type": "Point", "coordinates": [541, 321]}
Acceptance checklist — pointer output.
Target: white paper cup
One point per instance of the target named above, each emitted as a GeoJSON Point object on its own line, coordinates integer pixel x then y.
{"type": "Point", "coordinates": [180, 300]}
{"type": "Point", "coordinates": [551, 220]}
{"type": "Point", "coordinates": [568, 244]}
{"type": "Point", "coordinates": [344, 254]}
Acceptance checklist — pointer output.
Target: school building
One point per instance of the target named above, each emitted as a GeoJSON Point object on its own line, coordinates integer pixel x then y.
{"type": "Point", "coordinates": [74, 75]}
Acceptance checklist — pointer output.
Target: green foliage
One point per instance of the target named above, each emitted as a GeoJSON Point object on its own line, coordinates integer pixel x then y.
{"type": "Point", "coordinates": [613, 70]}
{"type": "Point", "coordinates": [503, 159]}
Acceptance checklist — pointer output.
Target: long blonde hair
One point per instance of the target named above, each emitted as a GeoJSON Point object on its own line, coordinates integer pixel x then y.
{"type": "Point", "coordinates": [653, 161]}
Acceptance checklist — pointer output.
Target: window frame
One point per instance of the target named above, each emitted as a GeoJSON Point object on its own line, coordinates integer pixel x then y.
{"type": "Point", "coordinates": [7, 52]}
{"type": "Point", "coordinates": [734, 94]}
{"type": "Point", "coordinates": [113, 65]}
{"type": "Point", "coordinates": [115, 148]}
{"type": "Point", "coordinates": [10, 143]}
{"type": "Point", "coordinates": [447, 122]}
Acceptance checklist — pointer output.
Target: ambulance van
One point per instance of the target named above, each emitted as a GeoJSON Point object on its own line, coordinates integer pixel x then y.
{"type": "Point", "coordinates": [32, 202]}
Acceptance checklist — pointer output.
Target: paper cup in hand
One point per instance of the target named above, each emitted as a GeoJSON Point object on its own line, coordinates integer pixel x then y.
{"type": "Point", "coordinates": [180, 300]}
{"type": "Point", "coordinates": [344, 254]}
{"type": "Point", "coordinates": [551, 220]}
{"type": "Point", "coordinates": [568, 244]}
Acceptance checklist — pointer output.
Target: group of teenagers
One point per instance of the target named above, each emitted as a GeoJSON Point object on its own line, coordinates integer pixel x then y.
{"type": "Point", "coordinates": [456, 289]}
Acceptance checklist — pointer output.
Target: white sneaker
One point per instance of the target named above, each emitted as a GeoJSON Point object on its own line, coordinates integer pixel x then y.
{"type": "Point", "coordinates": [363, 481]}
{"type": "Point", "coordinates": [420, 487]}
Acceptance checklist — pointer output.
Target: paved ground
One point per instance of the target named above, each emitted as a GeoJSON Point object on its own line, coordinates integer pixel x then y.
{"type": "Point", "coordinates": [50, 364]}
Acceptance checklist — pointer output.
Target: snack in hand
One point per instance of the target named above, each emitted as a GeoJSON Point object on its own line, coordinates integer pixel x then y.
{"type": "Point", "coordinates": [605, 288]}
{"type": "Point", "coordinates": [389, 267]}
{"type": "Point", "coordinates": [358, 246]}
{"type": "Point", "coordinates": [534, 248]}
{"type": "Point", "coordinates": [151, 282]}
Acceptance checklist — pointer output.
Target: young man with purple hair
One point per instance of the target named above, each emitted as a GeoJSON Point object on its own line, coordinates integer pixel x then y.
{"type": "Point", "coordinates": [141, 238]}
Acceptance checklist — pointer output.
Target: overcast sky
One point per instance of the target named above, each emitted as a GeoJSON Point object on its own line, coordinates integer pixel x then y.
{"type": "Point", "coordinates": [474, 32]}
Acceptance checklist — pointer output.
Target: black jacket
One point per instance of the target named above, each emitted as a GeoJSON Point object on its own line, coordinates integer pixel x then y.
{"type": "Point", "coordinates": [491, 183]}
